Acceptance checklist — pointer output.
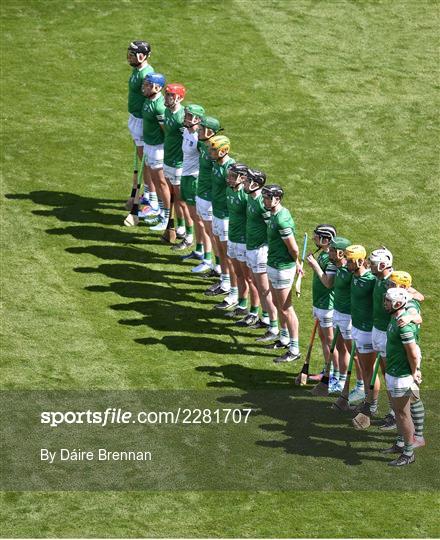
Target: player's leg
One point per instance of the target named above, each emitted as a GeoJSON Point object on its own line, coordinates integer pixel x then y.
{"type": "Point", "coordinates": [269, 310]}
{"type": "Point", "coordinates": [405, 429]}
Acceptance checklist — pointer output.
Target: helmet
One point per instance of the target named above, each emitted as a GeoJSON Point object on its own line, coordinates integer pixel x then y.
{"type": "Point", "coordinates": [155, 78]}
{"type": "Point", "coordinates": [239, 169]}
{"type": "Point", "coordinates": [142, 47]}
{"type": "Point", "coordinates": [220, 142]}
{"type": "Point", "coordinates": [398, 297]}
{"type": "Point", "coordinates": [211, 123]}
{"type": "Point", "coordinates": [355, 252]}
{"type": "Point", "coordinates": [272, 190]}
{"type": "Point", "coordinates": [339, 242]}
{"type": "Point", "coordinates": [176, 88]}
{"type": "Point", "coordinates": [325, 231]}
{"type": "Point", "coordinates": [401, 279]}
{"type": "Point", "coordinates": [256, 180]}
{"type": "Point", "coordinates": [195, 110]}
{"type": "Point", "coordinates": [381, 256]}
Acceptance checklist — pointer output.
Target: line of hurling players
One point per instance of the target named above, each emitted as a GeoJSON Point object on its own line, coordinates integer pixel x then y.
{"type": "Point", "coordinates": [233, 224]}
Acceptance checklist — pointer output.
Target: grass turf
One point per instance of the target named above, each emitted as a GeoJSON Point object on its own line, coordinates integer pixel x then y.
{"type": "Point", "coordinates": [336, 101]}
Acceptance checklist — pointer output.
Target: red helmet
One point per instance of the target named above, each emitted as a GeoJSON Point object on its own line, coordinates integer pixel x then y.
{"type": "Point", "coordinates": [177, 88]}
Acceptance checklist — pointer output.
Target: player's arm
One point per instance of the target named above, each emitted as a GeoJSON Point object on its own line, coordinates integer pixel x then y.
{"type": "Point", "coordinates": [293, 250]}
{"type": "Point", "coordinates": [413, 360]}
{"type": "Point", "coordinates": [413, 316]}
{"type": "Point", "coordinates": [416, 294]}
{"type": "Point", "coordinates": [326, 279]}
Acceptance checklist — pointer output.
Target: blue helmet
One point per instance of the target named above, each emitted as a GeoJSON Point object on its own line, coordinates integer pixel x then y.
{"type": "Point", "coordinates": [155, 78]}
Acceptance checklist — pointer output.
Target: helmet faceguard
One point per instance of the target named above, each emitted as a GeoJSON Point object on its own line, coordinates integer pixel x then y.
{"type": "Point", "coordinates": [174, 94]}
{"type": "Point", "coordinates": [355, 254]}
{"type": "Point", "coordinates": [219, 147]}
{"type": "Point", "coordinates": [324, 234]}
{"type": "Point", "coordinates": [137, 52]}
{"type": "Point", "coordinates": [395, 299]}
{"type": "Point", "coordinates": [237, 173]}
{"type": "Point", "coordinates": [381, 259]}
{"type": "Point", "coordinates": [272, 192]}
{"type": "Point", "coordinates": [255, 180]}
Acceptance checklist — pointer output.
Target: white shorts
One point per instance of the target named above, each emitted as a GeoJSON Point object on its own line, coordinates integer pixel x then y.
{"type": "Point", "coordinates": [281, 279]}
{"type": "Point", "coordinates": [220, 228]}
{"type": "Point", "coordinates": [364, 342]}
{"type": "Point", "coordinates": [379, 341]}
{"type": "Point", "coordinates": [256, 259]}
{"type": "Point", "coordinates": [172, 174]}
{"type": "Point", "coordinates": [136, 129]}
{"type": "Point", "coordinates": [402, 387]}
{"type": "Point", "coordinates": [154, 155]}
{"type": "Point", "coordinates": [237, 251]}
{"type": "Point", "coordinates": [343, 320]}
{"type": "Point", "coordinates": [204, 208]}
{"type": "Point", "coordinates": [324, 316]}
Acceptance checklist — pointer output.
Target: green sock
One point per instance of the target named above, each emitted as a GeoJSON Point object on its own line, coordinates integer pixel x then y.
{"type": "Point", "coordinates": [265, 317]}
{"type": "Point", "coordinates": [242, 302]}
{"type": "Point", "coordinates": [408, 449]}
{"type": "Point", "coordinates": [180, 221]}
{"type": "Point", "coordinates": [166, 214]}
{"type": "Point", "coordinates": [294, 346]}
{"type": "Point", "coordinates": [217, 260]}
{"type": "Point", "coordinates": [418, 417]}
{"type": "Point", "coordinates": [207, 256]}
{"type": "Point", "coordinates": [274, 327]}
{"type": "Point", "coordinates": [199, 248]}
{"type": "Point", "coordinates": [284, 336]}
{"type": "Point", "coordinates": [234, 291]}
{"type": "Point", "coordinates": [336, 373]}
{"type": "Point", "coordinates": [189, 229]}
{"type": "Point", "coordinates": [254, 310]}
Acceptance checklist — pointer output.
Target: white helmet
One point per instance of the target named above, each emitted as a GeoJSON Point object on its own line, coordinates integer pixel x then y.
{"type": "Point", "coordinates": [398, 297]}
{"type": "Point", "coordinates": [381, 256]}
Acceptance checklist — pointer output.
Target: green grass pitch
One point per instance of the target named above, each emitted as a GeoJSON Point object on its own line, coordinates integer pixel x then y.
{"type": "Point", "coordinates": [337, 101]}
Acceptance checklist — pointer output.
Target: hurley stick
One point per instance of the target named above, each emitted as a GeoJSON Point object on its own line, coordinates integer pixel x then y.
{"type": "Point", "coordinates": [321, 389]}
{"type": "Point", "coordinates": [129, 203]}
{"type": "Point", "coordinates": [363, 419]}
{"type": "Point", "coordinates": [298, 281]}
{"type": "Point", "coordinates": [132, 219]}
{"type": "Point", "coordinates": [301, 379]}
{"type": "Point", "coordinates": [342, 402]}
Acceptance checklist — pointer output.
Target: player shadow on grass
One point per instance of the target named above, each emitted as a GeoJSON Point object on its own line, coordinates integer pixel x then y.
{"type": "Point", "coordinates": [135, 273]}
{"type": "Point", "coordinates": [305, 425]}
{"type": "Point", "coordinates": [72, 207]}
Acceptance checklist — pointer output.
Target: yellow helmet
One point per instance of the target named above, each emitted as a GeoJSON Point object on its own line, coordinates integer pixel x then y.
{"type": "Point", "coordinates": [220, 142]}
{"type": "Point", "coordinates": [401, 279]}
{"type": "Point", "coordinates": [355, 252]}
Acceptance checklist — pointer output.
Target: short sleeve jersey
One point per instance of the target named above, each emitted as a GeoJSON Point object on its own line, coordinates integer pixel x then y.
{"type": "Point", "coordinates": [237, 202]}
{"type": "Point", "coordinates": [190, 153]}
{"type": "Point", "coordinates": [257, 218]}
{"type": "Point", "coordinates": [280, 227]}
{"type": "Point", "coordinates": [204, 186]}
{"type": "Point", "coordinates": [153, 114]}
{"type": "Point", "coordinates": [219, 175]}
{"type": "Point", "coordinates": [322, 297]}
{"type": "Point", "coordinates": [341, 288]}
{"type": "Point", "coordinates": [381, 317]}
{"type": "Point", "coordinates": [135, 96]}
{"type": "Point", "coordinates": [397, 360]}
{"type": "Point", "coordinates": [173, 128]}
{"type": "Point", "coordinates": [361, 298]}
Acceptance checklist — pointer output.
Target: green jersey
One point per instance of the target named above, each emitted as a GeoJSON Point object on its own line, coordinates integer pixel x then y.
{"type": "Point", "coordinates": [397, 363]}
{"type": "Point", "coordinates": [219, 185]}
{"type": "Point", "coordinates": [361, 298]}
{"type": "Point", "coordinates": [237, 202]}
{"type": "Point", "coordinates": [153, 114]}
{"type": "Point", "coordinates": [204, 187]}
{"type": "Point", "coordinates": [173, 129]}
{"type": "Point", "coordinates": [322, 297]}
{"type": "Point", "coordinates": [341, 290]}
{"type": "Point", "coordinates": [280, 227]}
{"type": "Point", "coordinates": [257, 218]}
{"type": "Point", "coordinates": [381, 317]}
{"type": "Point", "coordinates": [135, 96]}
